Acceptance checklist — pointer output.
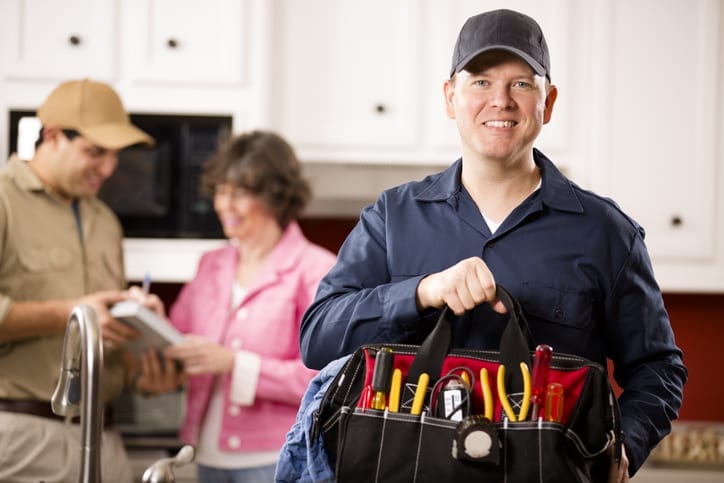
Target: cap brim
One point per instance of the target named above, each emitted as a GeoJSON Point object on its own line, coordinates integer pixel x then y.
{"type": "Point", "coordinates": [116, 136]}
{"type": "Point", "coordinates": [537, 68]}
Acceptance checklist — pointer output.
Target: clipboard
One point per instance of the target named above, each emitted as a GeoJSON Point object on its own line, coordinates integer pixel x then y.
{"type": "Point", "coordinates": [155, 330]}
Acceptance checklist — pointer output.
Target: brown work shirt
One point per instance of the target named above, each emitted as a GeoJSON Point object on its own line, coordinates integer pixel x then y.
{"type": "Point", "coordinates": [43, 257]}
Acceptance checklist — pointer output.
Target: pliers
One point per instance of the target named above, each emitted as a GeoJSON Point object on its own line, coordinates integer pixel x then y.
{"type": "Point", "coordinates": [503, 394]}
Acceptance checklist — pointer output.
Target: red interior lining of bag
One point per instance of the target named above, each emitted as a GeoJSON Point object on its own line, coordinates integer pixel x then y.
{"type": "Point", "coordinates": [572, 380]}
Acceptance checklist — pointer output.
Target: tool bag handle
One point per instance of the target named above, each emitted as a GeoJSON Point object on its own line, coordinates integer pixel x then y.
{"type": "Point", "coordinates": [516, 344]}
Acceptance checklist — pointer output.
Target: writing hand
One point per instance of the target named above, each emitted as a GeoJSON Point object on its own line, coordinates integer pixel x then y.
{"type": "Point", "coordinates": [148, 300]}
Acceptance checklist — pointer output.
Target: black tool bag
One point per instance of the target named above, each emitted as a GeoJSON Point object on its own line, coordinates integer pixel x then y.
{"type": "Point", "coordinates": [571, 444]}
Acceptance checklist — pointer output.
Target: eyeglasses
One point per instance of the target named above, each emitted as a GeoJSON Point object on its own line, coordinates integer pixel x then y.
{"type": "Point", "coordinates": [234, 193]}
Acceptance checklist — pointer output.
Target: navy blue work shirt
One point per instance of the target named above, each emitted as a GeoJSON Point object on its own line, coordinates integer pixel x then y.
{"type": "Point", "coordinates": [576, 263]}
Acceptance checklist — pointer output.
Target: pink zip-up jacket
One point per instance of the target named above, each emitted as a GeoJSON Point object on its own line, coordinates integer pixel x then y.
{"type": "Point", "coordinates": [263, 391]}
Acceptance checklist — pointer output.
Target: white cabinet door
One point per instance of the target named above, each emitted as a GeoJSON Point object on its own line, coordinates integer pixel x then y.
{"type": "Point", "coordinates": [56, 40]}
{"type": "Point", "coordinates": [346, 76]}
{"type": "Point", "coordinates": [659, 91]}
{"type": "Point", "coordinates": [185, 41]}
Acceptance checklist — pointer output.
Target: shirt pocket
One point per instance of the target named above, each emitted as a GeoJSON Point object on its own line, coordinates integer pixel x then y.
{"type": "Point", "coordinates": [44, 271]}
{"type": "Point", "coordinates": [35, 260]}
{"type": "Point", "coordinates": [557, 306]}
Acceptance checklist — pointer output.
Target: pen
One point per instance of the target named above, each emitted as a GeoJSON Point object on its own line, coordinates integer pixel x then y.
{"type": "Point", "coordinates": [420, 394]}
{"type": "Point", "coordinates": [146, 286]}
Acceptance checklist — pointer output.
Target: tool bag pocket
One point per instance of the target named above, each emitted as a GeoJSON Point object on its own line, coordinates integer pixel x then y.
{"type": "Point", "coordinates": [394, 443]}
{"type": "Point", "coordinates": [377, 446]}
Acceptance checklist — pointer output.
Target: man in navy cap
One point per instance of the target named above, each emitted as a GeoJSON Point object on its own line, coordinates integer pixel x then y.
{"type": "Point", "coordinates": [504, 214]}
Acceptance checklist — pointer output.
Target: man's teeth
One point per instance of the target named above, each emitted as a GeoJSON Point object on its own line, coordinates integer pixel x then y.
{"type": "Point", "coordinates": [500, 123]}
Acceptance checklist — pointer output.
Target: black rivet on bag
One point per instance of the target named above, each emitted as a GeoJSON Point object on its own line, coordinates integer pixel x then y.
{"type": "Point", "coordinates": [558, 313]}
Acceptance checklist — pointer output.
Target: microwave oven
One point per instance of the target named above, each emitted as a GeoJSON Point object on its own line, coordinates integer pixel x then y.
{"type": "Point", "coordinates": [155, 191]}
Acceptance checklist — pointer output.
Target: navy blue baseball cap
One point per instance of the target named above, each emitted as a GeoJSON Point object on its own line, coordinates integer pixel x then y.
{"type": "Point", "coordinates": [502, 30]}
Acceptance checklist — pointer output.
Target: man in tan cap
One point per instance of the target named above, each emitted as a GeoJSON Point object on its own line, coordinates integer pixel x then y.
{"type": "Point", "coordinates": [59, 247]}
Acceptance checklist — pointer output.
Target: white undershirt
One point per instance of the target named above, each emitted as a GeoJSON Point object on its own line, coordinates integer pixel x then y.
{"type": "Point", "coordinates": [493, 226]}
{"type": "Point", "coordinates": [207, 451]}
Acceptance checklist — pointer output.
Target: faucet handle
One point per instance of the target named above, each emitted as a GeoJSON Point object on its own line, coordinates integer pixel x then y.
{"type": "Point", "coordinates": [162, 470]}
{"type": "Point", "coordinates": [66, 396]}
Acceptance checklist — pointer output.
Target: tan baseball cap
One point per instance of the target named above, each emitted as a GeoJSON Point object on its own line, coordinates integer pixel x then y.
{"type": "Point", "coordinates": [95, 111]}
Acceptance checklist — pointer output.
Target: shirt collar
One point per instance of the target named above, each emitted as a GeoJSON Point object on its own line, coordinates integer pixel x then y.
{"type": "Point", "coordinates": [24, 177]}
{"type": "Point", "coordinates": [557, 191]}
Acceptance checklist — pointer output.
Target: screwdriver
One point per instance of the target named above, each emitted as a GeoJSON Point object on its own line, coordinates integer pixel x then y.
{"type": "Point", "coordinates": [381, 378]}
{"type": "Point", "coordinates": [554, 402]}
{"type": "Point", "coordinates": [541, 368]}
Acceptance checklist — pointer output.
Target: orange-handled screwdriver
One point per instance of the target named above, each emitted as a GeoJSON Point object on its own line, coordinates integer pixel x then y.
{"type": "Point", "coordinates": [554, 402]}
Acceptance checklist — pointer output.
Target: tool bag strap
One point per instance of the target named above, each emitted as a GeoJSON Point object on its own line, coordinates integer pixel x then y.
{"type": "Point", "coordinates": [516, 344]}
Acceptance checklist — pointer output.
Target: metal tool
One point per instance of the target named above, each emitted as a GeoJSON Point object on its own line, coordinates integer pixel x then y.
{"type": "Point", "coordinates": [503, 394]}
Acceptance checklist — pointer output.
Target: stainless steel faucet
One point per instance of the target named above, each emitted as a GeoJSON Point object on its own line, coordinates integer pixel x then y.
{"type": "Point", "coordinates": [162, 470]}
{"type": "Point", "coordinates": [82, 365]}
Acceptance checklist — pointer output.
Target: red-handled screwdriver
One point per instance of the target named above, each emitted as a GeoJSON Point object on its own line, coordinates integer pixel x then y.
{"type": "Point", "coordinates": [541, 367]}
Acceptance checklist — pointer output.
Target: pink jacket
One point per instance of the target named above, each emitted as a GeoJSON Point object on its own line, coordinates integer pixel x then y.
{"type": "Point", "coordinates": [266, 323]}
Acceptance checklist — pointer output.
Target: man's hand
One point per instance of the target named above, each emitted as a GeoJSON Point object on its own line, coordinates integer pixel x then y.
{"type": "Point", "coordinates": [462, 287]}
{"type": "Point", "coordinates": [148, 300]}
{"type": "Point", "coordinates": [202, 356]}
{"type": "Point", "coordinates": [114, 333]}
{"type": "Point", "coordinates": [619, 471]}
{"type": "Point", "coordinates": [157, 374]}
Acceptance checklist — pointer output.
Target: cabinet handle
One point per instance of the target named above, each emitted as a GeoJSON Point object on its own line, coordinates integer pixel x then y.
{"type": "Point", "coordinates": [676, 221]}
{"type": "Point", "coordinates": [74, 40]}
{"type": "Point", "coordinates": [172, 43]}
{"type": "Point", "coordinates": [380, 109]}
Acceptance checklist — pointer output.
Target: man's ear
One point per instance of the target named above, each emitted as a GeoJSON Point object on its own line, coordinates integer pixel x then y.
{"type": "Point", "coordinates": [449, 92]}
{"type": "Point", "coordinates": [550, 101]}
{"type": "Point", "coordinates": [51, 134]}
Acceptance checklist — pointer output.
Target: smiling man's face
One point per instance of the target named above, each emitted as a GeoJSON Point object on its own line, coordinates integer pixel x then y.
{"type": "Point", "coordinates": [499, 105]}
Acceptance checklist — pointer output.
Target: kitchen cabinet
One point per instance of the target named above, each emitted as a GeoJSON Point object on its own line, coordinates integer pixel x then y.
{"type": "Point", "coordinates": [346, 77]}
{"type": "Point", "coordinates": [164, 42]}
{"type": "Point", "coordinates": [658, 111]}
{"type": "Point", "coordinates": [165, 56]}
{"type": "Point", "coordinates": [53, 41]}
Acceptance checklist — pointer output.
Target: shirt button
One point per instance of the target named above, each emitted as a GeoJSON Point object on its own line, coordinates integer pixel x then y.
{"type": "Point", "coordinates": [242, 314]}
{"type": "Point", "coordinates": [234, 410]}
{"type": "Point", "coordinates": [234, 442]}
{"type": "Point", "coordinates": [235, 344]}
